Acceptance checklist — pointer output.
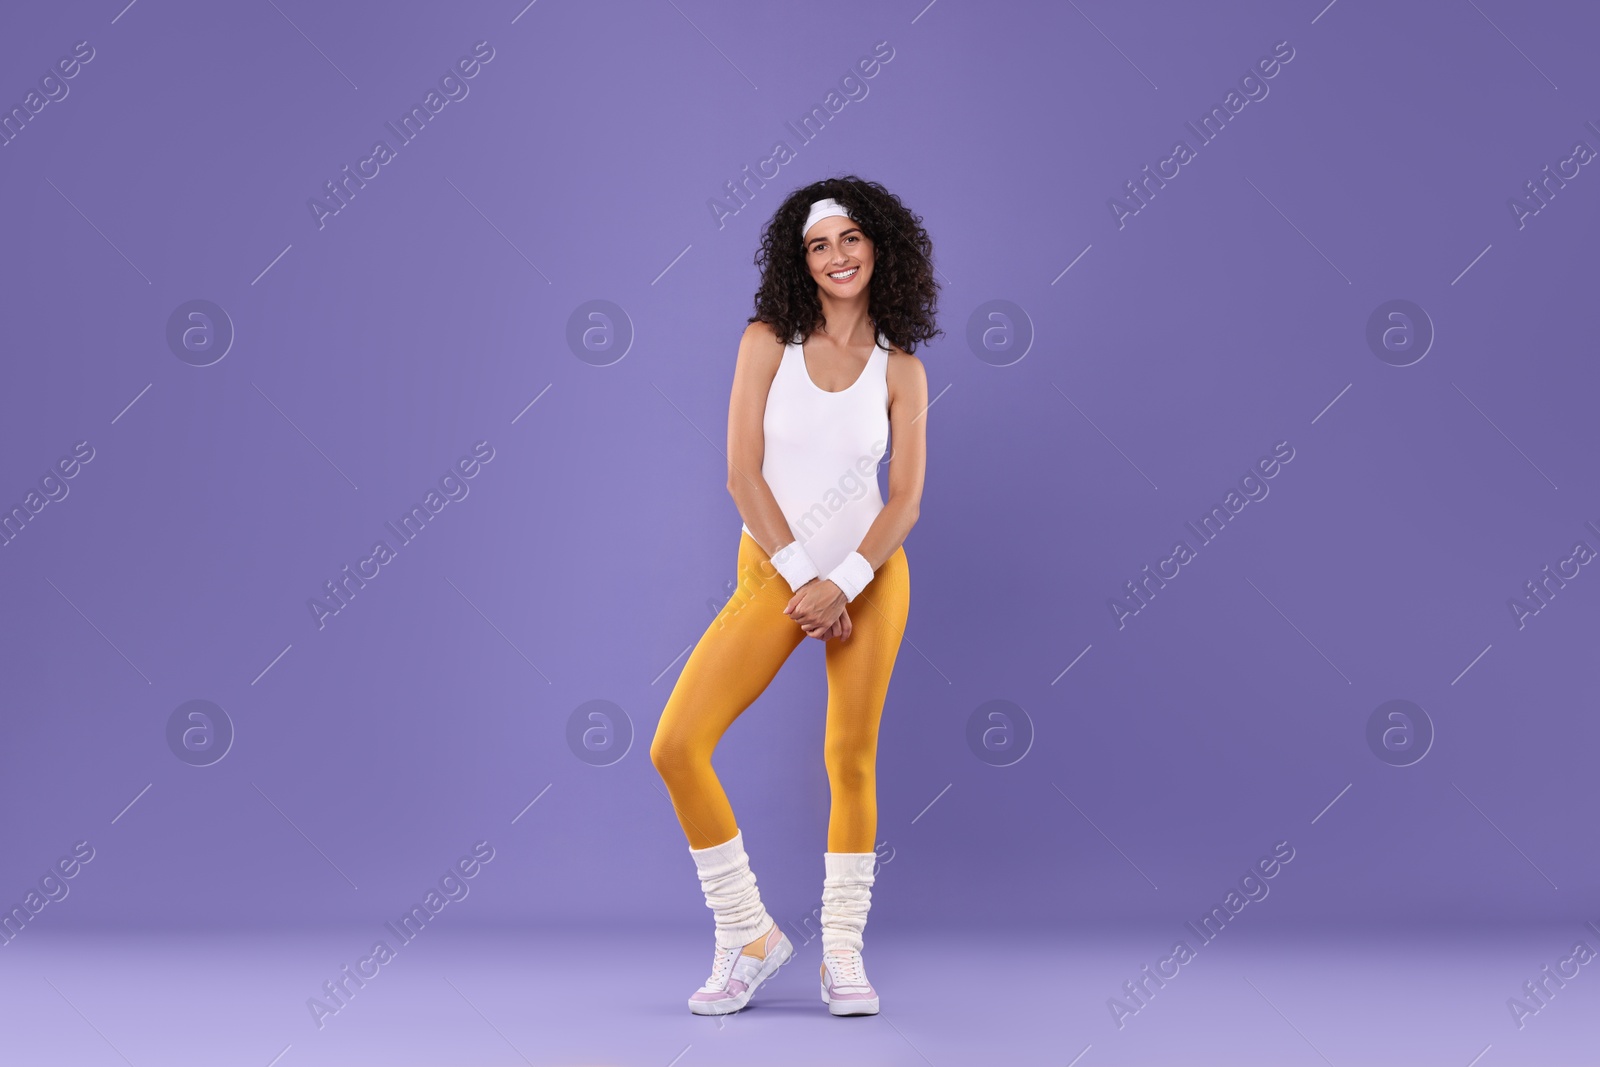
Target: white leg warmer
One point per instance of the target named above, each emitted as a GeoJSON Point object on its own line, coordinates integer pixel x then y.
{"type": "Point", "coordinates": [846, 896]}
{"type": "Point", "coordinates": [731, 894]}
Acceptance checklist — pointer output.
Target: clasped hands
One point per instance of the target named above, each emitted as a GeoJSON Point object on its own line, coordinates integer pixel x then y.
{"type": "Point", "coordinates": [821, 610]}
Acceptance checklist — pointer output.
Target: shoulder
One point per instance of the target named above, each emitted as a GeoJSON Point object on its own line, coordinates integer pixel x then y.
{"type": "Point", "coordinates": [760, 339]}
{"type": "Point", "coordinates": [906, 371]}
{"type": "Point", "coordinates": [761, 333]}
{"type": "Point", "coordinates": [760, 348]}
{"type": "Point", "coordinates": [907, 380]}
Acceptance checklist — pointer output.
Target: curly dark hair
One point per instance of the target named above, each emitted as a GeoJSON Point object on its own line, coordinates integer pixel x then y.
{"type": "Point", "coordinates": [903, 296]}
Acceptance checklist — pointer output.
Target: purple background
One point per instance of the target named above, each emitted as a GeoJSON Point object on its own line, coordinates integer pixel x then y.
{"type": "Point", "coordinates": [1227, 315]}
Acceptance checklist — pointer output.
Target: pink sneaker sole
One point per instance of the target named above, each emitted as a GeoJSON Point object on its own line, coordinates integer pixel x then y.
{"type": "Point", "coordinates": [850, 1003]}
{"type": "Point", "coordinates": [733, 1001]}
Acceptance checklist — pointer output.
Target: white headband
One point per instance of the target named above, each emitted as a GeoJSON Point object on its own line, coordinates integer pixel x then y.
{"type": "Point", "coordinates": [820, 210]}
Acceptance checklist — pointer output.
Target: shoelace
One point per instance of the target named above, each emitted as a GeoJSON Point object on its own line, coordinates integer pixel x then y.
{"type": "Point", "coordinates": [847, 967]}
{"type": "Point", "coordinates": [721, 968]}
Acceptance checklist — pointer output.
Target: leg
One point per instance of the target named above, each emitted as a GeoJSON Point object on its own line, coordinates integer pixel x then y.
{"type": "Point", "coordinates": [858, 681]}
{"type": "Point", "coordinates": [859, 669]}
{"type": "Point", "coordinates": [730, 667]}
{"type": "Point", "coordinates": [736, 658]}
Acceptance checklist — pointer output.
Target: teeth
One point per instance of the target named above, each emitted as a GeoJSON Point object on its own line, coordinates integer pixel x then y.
{"type": "Point", "coordinates": [844, 273]}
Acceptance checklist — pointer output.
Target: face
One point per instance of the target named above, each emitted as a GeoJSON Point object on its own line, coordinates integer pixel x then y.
{"type": "Point", "coordinates": [836, 246]}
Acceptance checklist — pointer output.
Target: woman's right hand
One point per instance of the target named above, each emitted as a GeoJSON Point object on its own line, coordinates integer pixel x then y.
{"type": "Point", "coordinates": [841, 628]}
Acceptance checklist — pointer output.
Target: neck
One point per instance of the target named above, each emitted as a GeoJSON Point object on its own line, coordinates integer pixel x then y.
{"type": "Point", "coordinates": [846, 321]}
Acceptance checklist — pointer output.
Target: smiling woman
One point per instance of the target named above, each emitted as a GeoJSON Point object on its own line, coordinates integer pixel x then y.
{"type": "Point", "coordinates": [823, 379]}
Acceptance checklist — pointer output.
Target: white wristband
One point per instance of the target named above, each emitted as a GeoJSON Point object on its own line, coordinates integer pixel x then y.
{"type": "Point", "coordinates": [852, 575]}
{"type": "Point", "coordinates": [795, 564]}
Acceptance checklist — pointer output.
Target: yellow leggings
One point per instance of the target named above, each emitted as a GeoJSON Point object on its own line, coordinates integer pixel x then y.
{"type": "Point", "coordinates": [730, 667]}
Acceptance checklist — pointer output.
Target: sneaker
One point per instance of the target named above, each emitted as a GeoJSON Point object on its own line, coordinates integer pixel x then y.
{"type": "Point", "coordinates": [735, 976]}
{"type": "Point", "coordinates": [845, 989]}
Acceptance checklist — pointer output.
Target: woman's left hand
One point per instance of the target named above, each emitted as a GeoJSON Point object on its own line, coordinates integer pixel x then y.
{"type": "Point", "coordinates": [816, 606]}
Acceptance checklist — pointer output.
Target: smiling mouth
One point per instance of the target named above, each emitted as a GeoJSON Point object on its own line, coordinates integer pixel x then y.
{"type": "Point", "coordinates": [843, 275]}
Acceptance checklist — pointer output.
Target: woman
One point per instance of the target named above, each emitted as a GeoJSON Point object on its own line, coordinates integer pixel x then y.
{"type": "Point", "coordinates": [824, 377]}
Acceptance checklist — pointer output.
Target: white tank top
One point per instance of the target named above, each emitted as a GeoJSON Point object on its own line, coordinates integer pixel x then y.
{"type": "Point", "coordinates": [822, 451]}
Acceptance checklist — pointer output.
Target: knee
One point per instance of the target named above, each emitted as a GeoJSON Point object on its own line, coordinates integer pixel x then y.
{"type": "Point", "coordinates": [673, 755]}
{"type": "Point", "coordinates": [665, 753]}
{"type": "Point", "coordinates": [850, 769]}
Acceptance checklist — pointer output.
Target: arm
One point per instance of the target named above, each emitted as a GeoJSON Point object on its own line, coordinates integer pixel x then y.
{"type": "Point", "coordinates": [759, 355]}
{"type": "Point", "coordinates": [908, 430]}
